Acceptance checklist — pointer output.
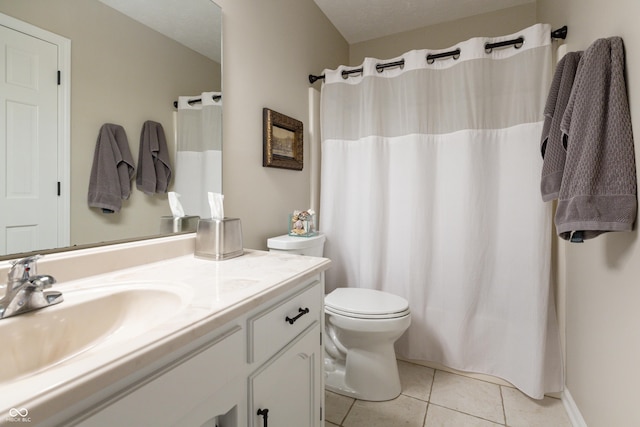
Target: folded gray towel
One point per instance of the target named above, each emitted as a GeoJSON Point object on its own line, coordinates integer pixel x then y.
{"type": "Point", "coordinates": [154, 168]}
{"type": "Point", "coordinates": [112, 169]}
{"type": "Point", "coordinates": [551, 146]}
{"type": "Point", "coordinates": [598, 191]}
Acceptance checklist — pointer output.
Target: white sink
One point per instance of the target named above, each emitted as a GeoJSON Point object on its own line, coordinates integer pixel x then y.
{"type": "Point", "coordinates": [88, 318]}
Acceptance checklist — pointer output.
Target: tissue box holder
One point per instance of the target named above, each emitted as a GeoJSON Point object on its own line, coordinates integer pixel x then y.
{"type": "Point", "coordinates": [219, 239]}
{"type": "Point", "coordinates": [302, 227]}
{"type": "Point", "coordinates": [169, 224]}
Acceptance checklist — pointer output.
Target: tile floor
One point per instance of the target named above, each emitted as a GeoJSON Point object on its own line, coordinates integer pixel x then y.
{"type": "Point", "coordinates": [434, 398]}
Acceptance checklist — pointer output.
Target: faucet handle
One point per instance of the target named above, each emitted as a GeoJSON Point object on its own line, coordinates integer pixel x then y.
{"type": "Point", "coordinates": [41, 282]}
{"type": "Point", "coordinates": [23, 268]}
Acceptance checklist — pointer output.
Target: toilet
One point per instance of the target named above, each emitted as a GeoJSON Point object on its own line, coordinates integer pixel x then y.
{"type": "Point", "coordinates": [361, 327]}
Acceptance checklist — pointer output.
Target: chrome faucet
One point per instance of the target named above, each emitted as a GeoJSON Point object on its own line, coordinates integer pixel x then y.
{"type": "Point", "coordinates": [25, 289]}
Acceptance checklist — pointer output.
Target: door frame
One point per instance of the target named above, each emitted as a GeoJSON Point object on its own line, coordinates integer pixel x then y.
{"type": "Point", "coordinates": [64, 119]}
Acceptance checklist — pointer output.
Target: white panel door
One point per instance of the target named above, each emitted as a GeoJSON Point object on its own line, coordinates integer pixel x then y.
{"type": "Point", "coordinates": [28, 143]}
{"type": "Point", "coordinates": [287, 389]}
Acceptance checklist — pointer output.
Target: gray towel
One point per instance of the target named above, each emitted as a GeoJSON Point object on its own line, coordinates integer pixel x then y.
{"type": "Point", "coordinates": [154, 169]}
{"type": "Point", "coordinates": [551, 144]}
{"type": "Point", "coordinates": [598, 191]}
{"type": "Point", "coordinates": [112, 169]}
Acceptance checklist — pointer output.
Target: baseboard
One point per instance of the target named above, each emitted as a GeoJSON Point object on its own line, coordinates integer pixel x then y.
{"type": "Point", "coordinates": [572, 409]}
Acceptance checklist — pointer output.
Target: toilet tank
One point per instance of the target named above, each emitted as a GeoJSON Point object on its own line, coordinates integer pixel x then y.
{"type": "Point", "coordinates": [311, 246]}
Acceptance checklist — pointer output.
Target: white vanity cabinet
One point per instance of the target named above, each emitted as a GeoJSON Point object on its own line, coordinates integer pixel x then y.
{"type": "Point", "coordinates": [269, 359]}
{"type": "Point", "coordinates": [286, 389]}
{"type": "Point", "coordinates": [285, 343]}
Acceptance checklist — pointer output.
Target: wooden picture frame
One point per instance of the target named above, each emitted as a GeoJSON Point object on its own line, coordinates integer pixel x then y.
{"type": "Point", "coordinates": [282, 141]}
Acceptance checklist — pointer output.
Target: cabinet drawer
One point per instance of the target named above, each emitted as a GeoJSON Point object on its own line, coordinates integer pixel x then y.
{"type": "Point", "coordinates": [272, 329]}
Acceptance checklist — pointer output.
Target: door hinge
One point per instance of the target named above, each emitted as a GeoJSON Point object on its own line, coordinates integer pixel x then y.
{"type": "Point", "coordinates": [58, 188]}
{"type": "Point", "coordinates": [59, 78]}
{"type": "Point", "coordinates": [321, 413]}
{"type": "Point", "coordinates": [320, 339]}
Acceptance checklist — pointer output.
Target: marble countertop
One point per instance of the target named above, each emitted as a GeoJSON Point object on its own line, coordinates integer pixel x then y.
{"type": "Point", "coordinates": [213, 293]}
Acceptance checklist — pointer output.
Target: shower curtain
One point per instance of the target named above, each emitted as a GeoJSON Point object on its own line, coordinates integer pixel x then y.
{"type": "Point", "coordinates": [199, 151]}
{"type": "Point", "coordinates": [430, 190]}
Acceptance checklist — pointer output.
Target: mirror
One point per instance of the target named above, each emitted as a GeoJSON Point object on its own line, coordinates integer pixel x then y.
{"type": "Point", "coordinates": [124, 72]}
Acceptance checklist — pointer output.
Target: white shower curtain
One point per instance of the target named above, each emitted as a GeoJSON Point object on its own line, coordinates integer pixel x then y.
{"type": "Point", "coordinates": [199, 152]}
{"type": "Point", "coordinates": [430, 190]}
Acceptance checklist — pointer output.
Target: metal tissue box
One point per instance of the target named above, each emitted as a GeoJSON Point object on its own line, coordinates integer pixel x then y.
{"type": "Point", "coordinates": [219, 239]}
{"type": "Point", "coordinates": [169, 224]}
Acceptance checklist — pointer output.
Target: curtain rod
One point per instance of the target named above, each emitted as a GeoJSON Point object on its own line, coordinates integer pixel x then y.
{"type": "Point", "coordinates": [560, 33]}
{"type": "Point", "coordinates": [196, 100]}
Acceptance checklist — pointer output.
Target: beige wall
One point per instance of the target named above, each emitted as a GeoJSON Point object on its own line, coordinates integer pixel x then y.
{"type": "Point", "coordinates": [123, 73]}
{"type": "Point", "coordinates": [444, 35]}
{"type": "Point", "coordinates": [269, 49]}
{"type": "Point", "coordinates": [603, 276]}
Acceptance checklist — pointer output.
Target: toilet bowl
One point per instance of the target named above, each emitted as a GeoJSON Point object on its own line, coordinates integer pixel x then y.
{"type": "Point", "coordinates": [361, 327]}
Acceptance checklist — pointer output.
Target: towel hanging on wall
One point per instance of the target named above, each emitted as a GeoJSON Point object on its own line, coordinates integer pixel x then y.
{"type": "Point", "coordinates": [553, 151]}
{"type": "Point", "coordinates": [598, 189]}
{"type": "Point", "coordinates": [112, 170]}
{"type": "Point", "coordinates": [154, 168]}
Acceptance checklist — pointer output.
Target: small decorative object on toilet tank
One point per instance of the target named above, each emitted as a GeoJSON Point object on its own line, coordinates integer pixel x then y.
{"type": "Point", "coordinates": [302, 223]}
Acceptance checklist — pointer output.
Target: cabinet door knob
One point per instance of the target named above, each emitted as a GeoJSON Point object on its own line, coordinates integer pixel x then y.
{"type": "Point", "coordinates": [301, 312]}
{"type": "Point", "coordinates": [265, 415]}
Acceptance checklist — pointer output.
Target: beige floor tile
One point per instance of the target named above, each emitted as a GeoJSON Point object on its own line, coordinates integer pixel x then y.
{"type": "Point", "coordinates": [328, 424]}
{"type": "Point", "coordinates": [522, 411]}
{"type": "Point", "coordinates": [438, 416]}
{"type": "Point", "coordinates": [416, 380]}
{"type": "Point", "coordinates": [336, 406]}
{"type": "Point", "coordinates": [403, 411]}
{"type": "Point", "coordinates": [473, 397]}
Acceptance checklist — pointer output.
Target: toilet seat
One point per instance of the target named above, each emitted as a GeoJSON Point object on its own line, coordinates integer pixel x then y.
{"type": "Point", "coordinates": [366, 316]}
{"type": "Point", "coordinates": [365, 304]}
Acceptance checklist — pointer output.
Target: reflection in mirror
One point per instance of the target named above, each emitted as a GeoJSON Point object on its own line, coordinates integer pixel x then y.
{"type": "Point", "coordinates": [121, 72]}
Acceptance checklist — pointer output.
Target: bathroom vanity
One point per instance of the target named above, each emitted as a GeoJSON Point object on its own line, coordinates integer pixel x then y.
{"type": "Point", "coordinates": [159, 337]}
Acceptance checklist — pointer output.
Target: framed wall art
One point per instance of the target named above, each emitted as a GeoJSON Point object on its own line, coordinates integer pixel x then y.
{"type": "Point", "coordinates": [282, 141]}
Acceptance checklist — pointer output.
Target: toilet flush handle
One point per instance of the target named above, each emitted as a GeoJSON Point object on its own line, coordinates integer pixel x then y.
{"type": "Point", "coordinates": [301, 312]}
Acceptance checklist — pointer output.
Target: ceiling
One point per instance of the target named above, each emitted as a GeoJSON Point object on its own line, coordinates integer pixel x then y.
{"type": "Point", "coordinates": [361, 20]}
{"type": "Point", "coordinates": [193, 23]}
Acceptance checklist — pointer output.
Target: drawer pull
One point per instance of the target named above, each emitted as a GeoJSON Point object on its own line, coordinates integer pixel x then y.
{"type": "Point", "coordinates": [265, 415]}
{"type": "Point", "coordinates": [301, 312]}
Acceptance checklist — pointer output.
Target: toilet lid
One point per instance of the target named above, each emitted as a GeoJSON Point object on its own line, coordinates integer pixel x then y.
{"type": "Point", "coordinates": [361, 302]}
